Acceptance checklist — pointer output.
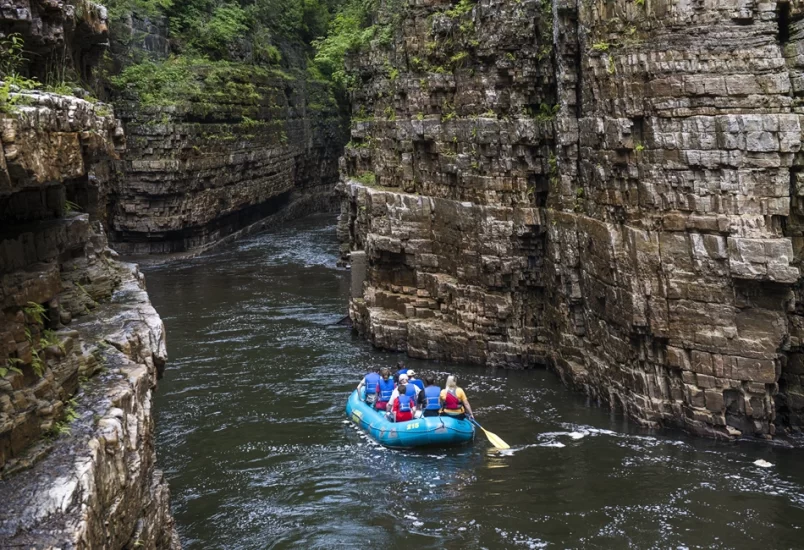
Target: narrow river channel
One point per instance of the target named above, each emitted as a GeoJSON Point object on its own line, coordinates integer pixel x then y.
{"type": "Point", "coordinates": [255, 444]}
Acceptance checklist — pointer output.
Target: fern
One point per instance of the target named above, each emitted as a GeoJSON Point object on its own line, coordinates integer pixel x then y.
{"type": "Point", "coordinates": [70, 207]}
{"type": "Point", "coordinates": [49, 338]}
{"type": "Point", "coordinates": [38, 364]}
{"type": "Point", "coordinates": [36, 312]}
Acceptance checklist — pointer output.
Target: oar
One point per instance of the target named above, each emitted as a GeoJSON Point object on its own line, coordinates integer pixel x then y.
{"type": "Point", "coordinates": [494, 439]}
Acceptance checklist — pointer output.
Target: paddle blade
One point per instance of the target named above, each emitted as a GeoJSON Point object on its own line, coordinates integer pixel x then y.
{"type": "Point", "coordinates": [495, 440]}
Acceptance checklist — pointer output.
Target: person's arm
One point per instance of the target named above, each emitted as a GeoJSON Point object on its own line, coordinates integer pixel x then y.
{"type": "Point", "coordinates": [361, 384]}
{"type": "Point", "coordinates": [467, 406]}
{"type": "Point", "coordinates": [420, 398]}
{"type": "Point", "coordinates": [392, 400]}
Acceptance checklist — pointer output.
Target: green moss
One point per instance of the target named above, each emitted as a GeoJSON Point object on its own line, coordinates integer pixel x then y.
{"type": "Point", "coordinates": [463, 7]}
{"type": "Point", "coordinates": [366, 178]}
{"type": "Point", "coordinates": [185, 79]}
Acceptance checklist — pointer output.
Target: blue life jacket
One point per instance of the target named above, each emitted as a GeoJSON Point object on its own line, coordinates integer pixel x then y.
{"type": "Point", "coordinates": [386, 389]}
{"type": "Point", "coordinates": [405, 403]}
{"type": "Point", "coordinates": [418, 383]}
{"type": "Point", "coordinates": [372, 379]}
{"type": "Point", "coordinates": [410, 390]}
{"type": "Point", "coordinates": [432, 393]}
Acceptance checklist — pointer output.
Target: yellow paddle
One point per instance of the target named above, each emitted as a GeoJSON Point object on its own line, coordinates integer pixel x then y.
{"type": "Point", "coordinates": [494, 439]}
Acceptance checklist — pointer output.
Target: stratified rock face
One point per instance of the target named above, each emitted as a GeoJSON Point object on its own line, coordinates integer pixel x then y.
{"type": "Point", "coordinates": [198, 172]}
{"type": "Point", "coordinates": [80, 345]}
{"type": "Point", "coordinates": [604, 187]}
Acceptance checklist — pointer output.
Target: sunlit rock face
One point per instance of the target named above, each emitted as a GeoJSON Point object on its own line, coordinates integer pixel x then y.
{"type": "Point", "coordinates": [608, 188]}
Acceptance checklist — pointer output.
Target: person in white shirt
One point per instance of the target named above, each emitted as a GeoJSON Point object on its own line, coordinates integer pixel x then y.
{"type": "Point", "coordinates": [403, 379]}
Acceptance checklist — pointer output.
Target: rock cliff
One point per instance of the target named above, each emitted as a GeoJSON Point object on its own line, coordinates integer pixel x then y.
{"type": "Point", "coordinates": [247, 146]}
{"type": "Point", "coordinates": [609, 188]}
{"type": "Point", "coordinates": [80, 345]}
{"type": "Point", "coordinates": [216, 146]}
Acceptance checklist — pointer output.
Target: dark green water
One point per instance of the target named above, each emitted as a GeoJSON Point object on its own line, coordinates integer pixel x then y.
{"type": "Point", "coordinates": [252, 436]}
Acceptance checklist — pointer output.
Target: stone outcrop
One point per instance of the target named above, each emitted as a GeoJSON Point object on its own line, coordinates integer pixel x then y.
{"type": "Point", "coordinates": [80, 345]}
{"type": "Point", "coordinates": [608, 188]}
{"type": "Point", "coordinates": [197, 172]}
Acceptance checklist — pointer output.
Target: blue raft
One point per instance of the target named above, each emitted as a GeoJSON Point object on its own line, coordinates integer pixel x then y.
{"type": "Point", "coordinates": [419, 432]}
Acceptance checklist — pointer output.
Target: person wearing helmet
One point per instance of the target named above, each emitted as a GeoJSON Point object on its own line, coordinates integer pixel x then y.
{"type": "Point", "coordinates": [412, 379]}
{"type": "Point", "coordinates": [410, 389]}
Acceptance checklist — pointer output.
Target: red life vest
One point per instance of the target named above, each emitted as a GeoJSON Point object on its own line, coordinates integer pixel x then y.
{"type": "Point", "coordinates": [452, 402]}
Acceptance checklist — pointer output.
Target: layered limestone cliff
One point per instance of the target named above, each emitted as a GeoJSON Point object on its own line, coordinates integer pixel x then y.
{"type": "Point", "coordinates": [609, 188]}
{"type": "Point", "coordinates": [80, 345]}
{"type": "Point", "coordinates": [249, 144]}
{"type": "Point", "coordinates": [239, 143]}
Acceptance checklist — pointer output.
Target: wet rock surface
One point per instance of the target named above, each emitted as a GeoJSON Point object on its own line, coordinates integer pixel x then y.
{"type": "Point", "coordinates": [98, 486]}
{"type": "Point", "coordinates": [606, 188]}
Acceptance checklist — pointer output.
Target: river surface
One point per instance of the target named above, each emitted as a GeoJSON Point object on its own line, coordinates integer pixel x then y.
{"type": "Point", "coordinates": [255, 444]}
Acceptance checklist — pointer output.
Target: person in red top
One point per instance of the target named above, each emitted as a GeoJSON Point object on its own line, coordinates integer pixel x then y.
{"type": "Point", "coordinates": [403, 406]}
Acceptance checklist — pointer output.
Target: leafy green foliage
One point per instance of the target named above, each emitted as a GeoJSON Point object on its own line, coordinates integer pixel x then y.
{"type": "Point", "coordinates": [366, 178]}
{"type": "Point", "coordinates": [214, 34]}
{"type": "Point", "coordinates": [348, 32]}
{"type": "Point", "coordinates": [36, 312]}
{"type": "Point", "coordinates": [62, 427]}
{"type": "Point", "coordinates": [462, 8]}
{"type": "Point", "coordinates": [11, 61]}
{"type": "Point", "coordinates": [38, 363]}
{"type": "Point", "coordinates": [11, 366]}
{"type": "Point", "coordinates": [546, 113]}
{"type": "Point", "coordinates": [181, 79]}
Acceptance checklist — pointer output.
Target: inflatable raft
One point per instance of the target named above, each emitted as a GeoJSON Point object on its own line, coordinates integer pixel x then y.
{"type": "Point", "coordinates": [419, 432]}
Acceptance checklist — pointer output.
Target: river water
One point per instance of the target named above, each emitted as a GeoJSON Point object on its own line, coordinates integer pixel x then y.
{"type": "Point", "coordinates": [255, 444]}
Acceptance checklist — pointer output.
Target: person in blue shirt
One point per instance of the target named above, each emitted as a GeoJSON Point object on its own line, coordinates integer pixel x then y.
{"type": "Point", "coordinates": [385, 388]}
{"type": "Point", "coordinates": [399, 369]}
{"type": "Point", "coordinates": [429, 398]}
{"type": "Point", "coordinates": [413, 380]}
{"type": "Point", "coordinates": [370, 382]}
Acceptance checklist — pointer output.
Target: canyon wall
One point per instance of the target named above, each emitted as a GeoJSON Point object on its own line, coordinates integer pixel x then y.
{"type": "Point", "coordinates": [257, 143]}
{"type": "Point", "coordinates": [234, 144]}
{"type": "Point", "coordinates": [81, 347]}
{"type": "Point", "coordinates": [608, 188]}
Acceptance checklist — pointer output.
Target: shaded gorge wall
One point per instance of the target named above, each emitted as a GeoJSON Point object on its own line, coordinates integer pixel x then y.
{"type": "Point", "coordinates": [610, 189]}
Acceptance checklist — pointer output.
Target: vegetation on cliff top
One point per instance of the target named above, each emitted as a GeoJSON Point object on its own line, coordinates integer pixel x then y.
{"type": "Point", "coordinates": [215, 42]}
